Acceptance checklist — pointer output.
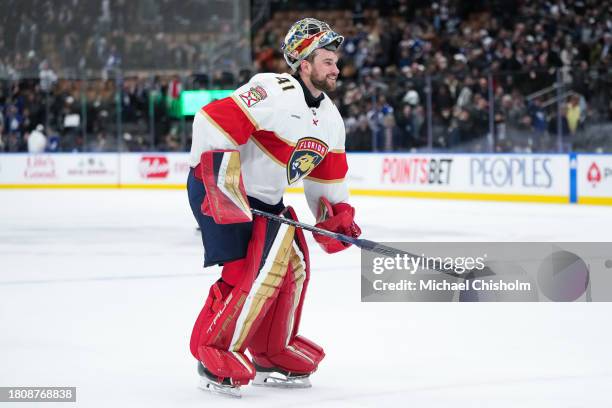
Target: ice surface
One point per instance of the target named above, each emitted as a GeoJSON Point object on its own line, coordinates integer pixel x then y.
{"type": "Point", "coordinates": [99, 290]}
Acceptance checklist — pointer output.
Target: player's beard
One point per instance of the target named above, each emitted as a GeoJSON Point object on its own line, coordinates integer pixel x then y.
{"type": "Point", "coordinates": [322, 82]}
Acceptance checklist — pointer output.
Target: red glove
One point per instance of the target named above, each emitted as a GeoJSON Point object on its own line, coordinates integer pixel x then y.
{"type": "Point", "coordinates": [336, 218]}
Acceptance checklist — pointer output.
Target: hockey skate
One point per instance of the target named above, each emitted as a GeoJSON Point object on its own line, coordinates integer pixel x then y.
{"type": "Point", "coordinates": [209, 382]}
{"type": "Point", "coordinates": [277, 378]}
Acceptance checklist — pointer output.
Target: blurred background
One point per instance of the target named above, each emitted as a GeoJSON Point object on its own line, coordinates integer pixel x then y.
{"type": "Point", "coordinates": [443, 76]}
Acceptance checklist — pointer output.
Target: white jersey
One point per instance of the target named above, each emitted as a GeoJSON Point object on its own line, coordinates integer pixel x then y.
{"type": "Point", "coordinates": [280, 138]}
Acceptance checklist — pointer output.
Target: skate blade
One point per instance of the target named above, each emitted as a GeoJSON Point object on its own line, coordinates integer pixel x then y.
{"type": "Point", "coordinates": [219, 389]}
{"type": "Point", "coordinates": [278, 380]}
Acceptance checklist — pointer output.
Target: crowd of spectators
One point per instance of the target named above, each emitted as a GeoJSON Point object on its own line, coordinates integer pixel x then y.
{"type": "Point", "coordinates": [89, 70]}
{"type": "Point", "coordinates": [507, 75]}
{"type": "Point", "coordinates": [93, 37]}
{"type": "Point", "coordinates": [474, 53]}
{"type": "Point", "coordinates": [135, 114]}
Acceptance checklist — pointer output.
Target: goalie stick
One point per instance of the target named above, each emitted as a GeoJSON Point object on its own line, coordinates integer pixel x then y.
{"type": "Point", "coordinates": [371, 246]}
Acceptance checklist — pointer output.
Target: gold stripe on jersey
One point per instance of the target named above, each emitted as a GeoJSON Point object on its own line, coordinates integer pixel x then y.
{"type": "Point", "coordinates": [246, 112]}
{"type": "Point", "coordinates": [263, 149]}
{"type": "Point", "coordinates": [318, 180]}
{"type": "Point", "coordinates": [254, 122]}
{"type": "Point", "coordinates": [218, 127]}
{"type": "Point", "coordinates": [288, 142]}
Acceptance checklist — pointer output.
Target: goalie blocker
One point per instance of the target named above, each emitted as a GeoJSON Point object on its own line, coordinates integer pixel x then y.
{"type": "Point", "coordinates": [226, 199]}
{"type": "Point", "coordinates": [222, 242]}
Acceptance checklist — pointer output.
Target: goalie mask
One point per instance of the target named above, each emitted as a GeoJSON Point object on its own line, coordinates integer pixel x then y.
{"type": "Point", "coordinates": [304, 37]}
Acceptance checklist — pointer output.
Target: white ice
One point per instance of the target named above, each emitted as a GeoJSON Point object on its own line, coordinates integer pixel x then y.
{"type": "Point", "coordinates": [99, 290]}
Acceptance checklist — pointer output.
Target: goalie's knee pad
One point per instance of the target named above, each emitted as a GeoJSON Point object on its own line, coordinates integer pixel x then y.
{"type": "Point", "coordinates": [276, 343]}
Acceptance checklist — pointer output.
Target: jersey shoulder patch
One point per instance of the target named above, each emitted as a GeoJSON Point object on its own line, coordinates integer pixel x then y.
{"type": "Point", "coordinates": [261, 87]}
{"type": "Point", "coordinates": [253, 95]}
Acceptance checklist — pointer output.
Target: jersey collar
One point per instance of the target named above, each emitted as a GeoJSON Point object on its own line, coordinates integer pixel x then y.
{"type": "Point", "coordinates": [311, 101]}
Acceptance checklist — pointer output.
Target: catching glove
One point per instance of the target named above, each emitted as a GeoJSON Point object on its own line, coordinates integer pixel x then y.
{"type": "Point", "coordinates": [335, 218]}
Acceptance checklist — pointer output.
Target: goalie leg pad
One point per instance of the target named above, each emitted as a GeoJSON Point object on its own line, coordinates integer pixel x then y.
{"type": "Point", "coordinates": [276, 344]}
{"type": "Point", "coordinates": [235, 308]}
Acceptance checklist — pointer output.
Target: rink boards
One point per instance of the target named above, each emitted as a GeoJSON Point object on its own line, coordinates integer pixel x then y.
{"type": "Point", "coordinates": [553, 178]}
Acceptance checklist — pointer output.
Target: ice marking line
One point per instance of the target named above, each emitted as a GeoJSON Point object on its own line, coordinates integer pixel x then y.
{"type": "Point", "coordinates": [107, 278]}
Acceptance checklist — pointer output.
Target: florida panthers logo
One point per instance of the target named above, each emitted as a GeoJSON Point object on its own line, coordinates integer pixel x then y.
{"type": "Point", "coordinates": [307, 154]}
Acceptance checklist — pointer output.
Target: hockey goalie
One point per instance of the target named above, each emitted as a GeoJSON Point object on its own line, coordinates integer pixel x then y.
{"type": "Point", "coordinates": [246, 149]}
